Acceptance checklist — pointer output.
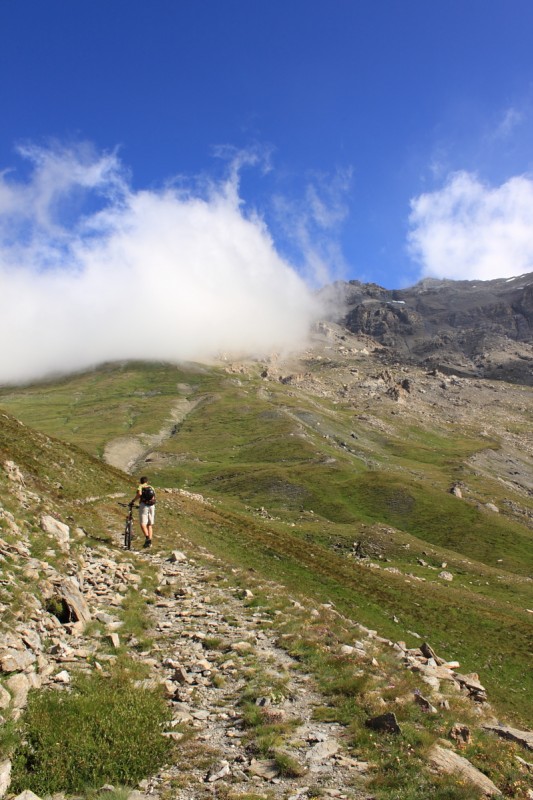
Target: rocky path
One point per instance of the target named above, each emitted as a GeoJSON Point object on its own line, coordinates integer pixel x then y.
{"type": "Point", "coordinates": [210, 646]}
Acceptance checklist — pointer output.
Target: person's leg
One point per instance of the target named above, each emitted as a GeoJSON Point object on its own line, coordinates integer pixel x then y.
{"type": "Point", "coordinates": [144, 522]}
{"type": "Point", "coordinates": [151, 520]}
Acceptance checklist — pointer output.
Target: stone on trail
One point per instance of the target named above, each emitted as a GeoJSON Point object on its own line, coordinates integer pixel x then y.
{"type": "Point", "coordinates": [218, 771]}
{"type": "Point", "coordinates": [322, 751]}
{"type": "Point", "coordinates": [242, 647]}
{"type": "Point", "coordinates": [451, 763]}
{"type": "Point", "coordinates": [176, 556]}
{"type": "Point", "coordinates": [264, 769]}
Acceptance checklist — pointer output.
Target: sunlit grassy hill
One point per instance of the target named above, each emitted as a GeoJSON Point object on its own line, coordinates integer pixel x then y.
{"type": "Point", "coordinates": [332, 475]}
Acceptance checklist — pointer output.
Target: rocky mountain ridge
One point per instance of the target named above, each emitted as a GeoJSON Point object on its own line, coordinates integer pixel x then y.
{"type": "Point", "coordinates": [472, 328]}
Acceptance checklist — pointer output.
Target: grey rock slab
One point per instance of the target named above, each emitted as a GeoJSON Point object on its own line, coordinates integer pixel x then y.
{"type": "Point", "coordinates": [525, 738]}
{"type": "Point", "coordinates": [27, 794]}
{"type": "Point", "coordinates": [200, 715]}
{"type": "Point", "coordinates": [19, 686]}
{"type": "Point", "coordinates": [68, 592]}
{"type": "Point", "coordinates": [5, 776]}
{"type": "Point", "coordinates": [425, 704]}
{"type": "Point", "coordinates": [182, 717]}
{"type": "Point", "coordinates": [16, 660]}
{"type": "Point", "coordinates": [322, 751]}
{"type": "Point", "coordinates": [445, 760]}
{"type": "Point", "coordinates": [264, 769]}
{"type": "Point", "coordinates": [57, 529]}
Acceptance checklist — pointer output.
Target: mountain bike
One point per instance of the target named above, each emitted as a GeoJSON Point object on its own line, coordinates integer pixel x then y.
{"type": "Point", "coordinates": [128, 528]}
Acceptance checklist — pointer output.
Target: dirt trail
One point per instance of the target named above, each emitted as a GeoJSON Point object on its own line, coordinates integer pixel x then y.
{"type": "Point", "coordinates": [209, 644]}
{"type": "Point", "coordinates": [126, 452]}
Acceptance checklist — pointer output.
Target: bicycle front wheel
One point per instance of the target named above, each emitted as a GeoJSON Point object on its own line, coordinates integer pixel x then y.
{"type": "Point", "coordinates": [127, 535]}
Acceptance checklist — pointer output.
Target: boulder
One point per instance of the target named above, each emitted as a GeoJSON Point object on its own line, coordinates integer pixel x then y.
{"type": "Point", "coordinates": [72, 604]}
{"type": "Point", "coordinates": [446, 576]}
{"type": "Point", "coordinates": [16, 660]}
{"type": "Point", "coordinates": [445, 760]}
{"type": "Point", "coordinates": [460, 733]}
{"type": "Point", "coordinates": [176, 556]}
{"type": "Point", "coordinates": [267, 769]}
{"type": "Point", "coordinates": [58, 530]}
{"type": "Point", "coordinates": [19, 686]}
{"type": "Point", "coordinates": [386, 723]}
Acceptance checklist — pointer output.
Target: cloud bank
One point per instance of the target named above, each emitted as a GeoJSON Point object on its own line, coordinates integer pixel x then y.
{"type": "Point", "coordinates": [469, 230]}
{"type": "Point", "coordinates": [92, 270]}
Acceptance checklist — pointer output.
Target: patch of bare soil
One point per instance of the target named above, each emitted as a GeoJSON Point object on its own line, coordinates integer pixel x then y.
{"type": "Point", "coordinates": [126, 452]}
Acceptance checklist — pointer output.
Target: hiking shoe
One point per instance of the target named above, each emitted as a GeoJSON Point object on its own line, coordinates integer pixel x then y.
{"type": "Point", "coordinates": [147, 542]}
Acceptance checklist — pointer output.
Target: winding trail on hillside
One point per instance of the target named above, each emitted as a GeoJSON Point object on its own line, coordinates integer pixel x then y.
{"type": "Point", "coordinates": [127, 452]}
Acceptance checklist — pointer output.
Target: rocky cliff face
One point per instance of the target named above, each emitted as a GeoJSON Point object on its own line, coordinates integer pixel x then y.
{"type": "Point", "coordinates": [474, 328]}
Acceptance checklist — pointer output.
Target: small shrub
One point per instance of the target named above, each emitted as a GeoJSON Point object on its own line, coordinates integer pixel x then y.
{"type": "Point", "coordinates": [104, 731]}
{"type": "Point", "coordinates": [213, 643]}
{"type": "Point", "coordinates": [287, 765]}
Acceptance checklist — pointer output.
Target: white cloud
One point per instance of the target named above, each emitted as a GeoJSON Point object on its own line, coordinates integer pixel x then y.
{"type": "Point", "coordinates": [92, 271]}
{"type": "Point", "coordinates": [313, 224]}
{"type": "Point", "coordinates": [470, 230]}
{"type": "Point", "coordinates": [510, 119]}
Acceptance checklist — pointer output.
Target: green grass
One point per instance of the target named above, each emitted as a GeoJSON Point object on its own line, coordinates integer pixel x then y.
{"type": "Point", "coordinates": [104, 731]}
{"type": "Point", "coordinates": [292, 452]}
{"type": "Point", "coordinates": [93, 407]}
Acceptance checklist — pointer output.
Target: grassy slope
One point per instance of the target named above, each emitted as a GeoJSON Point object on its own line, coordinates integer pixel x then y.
{"type": "Point", "coordinates": [250, 445]}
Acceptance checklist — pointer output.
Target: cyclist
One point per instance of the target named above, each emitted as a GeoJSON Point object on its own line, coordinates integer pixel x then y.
{"type": "Point", "coordinates": [146, 497]}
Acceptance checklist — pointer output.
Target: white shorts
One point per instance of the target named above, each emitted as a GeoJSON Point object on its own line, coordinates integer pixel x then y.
{"type": "Point", "coordinates": [146, 514]}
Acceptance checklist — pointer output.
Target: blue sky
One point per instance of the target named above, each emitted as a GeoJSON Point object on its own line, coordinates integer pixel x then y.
{"type": "Point", "coordinates": [380, 141]}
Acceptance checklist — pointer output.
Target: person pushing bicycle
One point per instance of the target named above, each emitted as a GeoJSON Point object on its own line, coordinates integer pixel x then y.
{"type": "Point", "coordinates": [146, 497]}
